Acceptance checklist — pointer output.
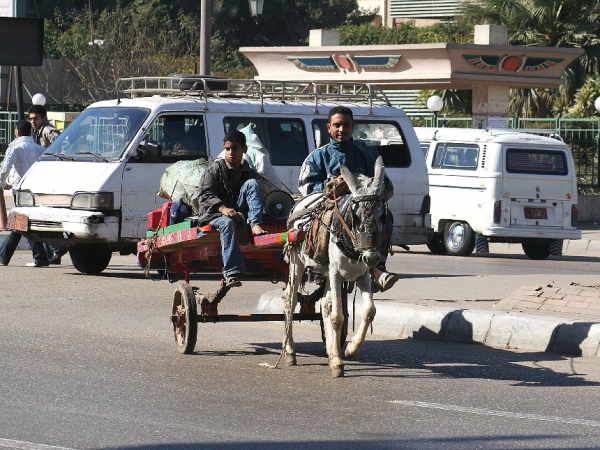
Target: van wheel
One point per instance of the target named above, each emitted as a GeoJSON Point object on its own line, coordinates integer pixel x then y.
{"type": "Point", "coordinates": [91, 259]}
{"type": "Point", "coordinates": [436, 245]}
{"type": "Point", "coordinates": [537, 250]}
{"type": "Point", "coordinates": [459, 239]}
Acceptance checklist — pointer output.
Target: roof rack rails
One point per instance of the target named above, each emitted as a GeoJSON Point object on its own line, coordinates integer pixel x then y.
{"type": "Point", "coordinates": [213, 87]}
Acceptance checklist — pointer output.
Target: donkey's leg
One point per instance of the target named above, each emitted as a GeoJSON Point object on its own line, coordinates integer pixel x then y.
{"type": "Point", "coordinates": [364, 284]}
{"type": "Point", "coordinates": [290, 299]}
{"type": "Point", "coordinates": [336, 321]}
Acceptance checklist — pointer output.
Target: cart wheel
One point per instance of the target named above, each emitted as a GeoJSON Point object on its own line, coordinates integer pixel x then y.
{"type": "Point", "coordinates": [344, 333]}
{"type": "Point", "coordinates": [185, 318]}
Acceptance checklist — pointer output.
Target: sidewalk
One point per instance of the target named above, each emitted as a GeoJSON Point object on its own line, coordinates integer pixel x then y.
{"type": "Point", "coordinates": [561, 318]}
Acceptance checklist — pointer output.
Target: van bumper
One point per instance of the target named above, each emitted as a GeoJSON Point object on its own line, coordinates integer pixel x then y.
{"type": "Point", "coordinates": [76, 227]}
{"type": "Point", "coordinates": [411, 235]}
{"type": "Point", "coordinates": [503, 234]}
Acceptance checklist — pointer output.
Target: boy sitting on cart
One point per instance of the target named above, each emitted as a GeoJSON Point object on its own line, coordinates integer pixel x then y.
{"type": "Point", "coordinates": [228, 187]}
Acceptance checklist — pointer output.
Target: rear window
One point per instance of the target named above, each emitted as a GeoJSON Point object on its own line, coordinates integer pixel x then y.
{"type": "Point", "coordinates": [377, 138]}
{"type": "Point", "coordinates": [536, 162]}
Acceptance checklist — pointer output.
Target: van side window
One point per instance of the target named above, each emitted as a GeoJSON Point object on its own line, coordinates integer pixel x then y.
{"type": "Point", "coordinates": [375, 137]}
{"type": "Point", "coordinates": [536, 162]}
{"type": "Point", "coordinates": [456, 156]}
{"type": "Point", "coordinates": [174, 137]}
{"type": "Point", "coordinates": [285, 139]}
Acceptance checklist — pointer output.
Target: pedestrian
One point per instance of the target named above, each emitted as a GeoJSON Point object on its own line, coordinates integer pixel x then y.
{"type": "Point", "coordinates": [21, 154]}
{"type": "Point", "coordinates": [323, 165]}
{"type": "Point", "coordinates": [228, 187]}
{"type": "Point", "coordinates": [44, 134]}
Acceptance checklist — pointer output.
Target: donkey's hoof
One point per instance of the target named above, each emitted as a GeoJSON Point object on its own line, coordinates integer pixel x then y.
{"type": "Point", "coordinates": [290, 360]}
{"type": "Point", "coordinates": [337, 372]}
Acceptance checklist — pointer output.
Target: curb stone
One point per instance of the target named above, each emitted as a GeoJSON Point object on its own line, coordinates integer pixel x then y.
{"type": "Point", "coordinates": [497, 329]}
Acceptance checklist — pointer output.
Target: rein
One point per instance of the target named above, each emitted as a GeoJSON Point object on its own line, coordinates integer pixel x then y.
{"type": "Point", "coordinates": [350, 249]}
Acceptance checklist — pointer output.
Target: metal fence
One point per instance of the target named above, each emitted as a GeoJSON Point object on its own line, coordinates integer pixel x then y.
{"type": "Point", "coordinates": [582, 135]}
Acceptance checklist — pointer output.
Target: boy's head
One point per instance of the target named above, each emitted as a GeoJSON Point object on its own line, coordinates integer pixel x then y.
{"type": "Point", "coordinates": [341, 124]}
{"type": "Point", "coordinates": [37, 115]}
{"type": "Point", "coordinates": [235, 147]}
{"type": "Point", "coordinates": [23, 128]}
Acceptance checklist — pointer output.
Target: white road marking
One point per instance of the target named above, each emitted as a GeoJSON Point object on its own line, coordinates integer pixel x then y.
{"type": "Point", "coordinates": [10, 443]}
{"type": "Point", "coordinates": [491, 412]}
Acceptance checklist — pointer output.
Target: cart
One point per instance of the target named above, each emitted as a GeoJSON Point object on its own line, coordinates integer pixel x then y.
{"type": "Point", "coordinates": [182, 250]}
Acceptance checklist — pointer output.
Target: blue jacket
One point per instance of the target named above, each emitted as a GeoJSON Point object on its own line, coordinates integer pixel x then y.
{"type": "Point", "coordinates": [323, 165]}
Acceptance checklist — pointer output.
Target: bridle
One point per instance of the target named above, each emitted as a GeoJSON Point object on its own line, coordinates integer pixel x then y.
{"type": "Point", "coordinates": [348, 239]}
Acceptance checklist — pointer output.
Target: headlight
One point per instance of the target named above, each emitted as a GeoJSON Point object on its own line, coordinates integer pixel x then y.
{"type": "Point", "coordinates": [93, 201]}
{"type": "Point", "coordinates": [25, 198]}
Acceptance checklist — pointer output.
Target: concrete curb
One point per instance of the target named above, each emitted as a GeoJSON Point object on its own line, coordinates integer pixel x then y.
{"type": "Point", "coordinates": [497, 329]}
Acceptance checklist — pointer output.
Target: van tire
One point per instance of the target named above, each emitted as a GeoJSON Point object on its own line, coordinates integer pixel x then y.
{"type": "Point", "coordinates": [539, 249]}
{"type": "Point", "coordinates": [459, 239]}
{"type": "Point", "coordinates": [436, 245]}
{"type": "Point", "coordinates": [90, 259]}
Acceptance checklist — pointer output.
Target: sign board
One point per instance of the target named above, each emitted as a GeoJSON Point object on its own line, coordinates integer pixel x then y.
{"type": "Point", "coordinates": [21, 41]}
{"type": "Point", "coordinates": [497, 122]}
{"type": "Point", "coordinates": [7, 8]}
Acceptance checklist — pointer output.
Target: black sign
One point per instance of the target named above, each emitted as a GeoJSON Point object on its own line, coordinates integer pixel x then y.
{"type": "Point", "coordinates": [21, 41]}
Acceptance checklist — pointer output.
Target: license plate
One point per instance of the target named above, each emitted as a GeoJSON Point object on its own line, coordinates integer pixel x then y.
{"type": "Point", "coordinates": [535, 213]}
{"type": "Point", "coordinates": [17, 222]}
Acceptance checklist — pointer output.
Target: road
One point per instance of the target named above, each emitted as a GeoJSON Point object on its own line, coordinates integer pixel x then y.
{"type": "Point", "coordinates": [89, 362]}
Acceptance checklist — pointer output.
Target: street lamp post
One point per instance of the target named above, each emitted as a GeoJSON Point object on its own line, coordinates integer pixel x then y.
{"type": "Point", "coordinates": [434, 104]}
{"type": "Point", "coordinates": [205, 13]}
{"type": "Point", "coordinates": [256, 9]}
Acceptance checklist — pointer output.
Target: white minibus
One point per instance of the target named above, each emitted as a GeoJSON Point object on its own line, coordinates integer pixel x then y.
{"type": "Point", "coordinates": [93, 188]}
{"type": "Point", "coordinates": [502, 185]}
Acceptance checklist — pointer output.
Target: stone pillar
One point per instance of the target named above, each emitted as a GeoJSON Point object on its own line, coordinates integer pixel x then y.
{"type": "Point", "coordinates": [491, 100]}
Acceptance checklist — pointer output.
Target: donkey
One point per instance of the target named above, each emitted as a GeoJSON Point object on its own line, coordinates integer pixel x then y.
{"type": "Point", "coordinates": [355, 239]}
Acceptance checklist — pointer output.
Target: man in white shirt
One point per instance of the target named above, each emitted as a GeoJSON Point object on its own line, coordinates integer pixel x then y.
{"type": "Point", "coordinates": [21, 154]}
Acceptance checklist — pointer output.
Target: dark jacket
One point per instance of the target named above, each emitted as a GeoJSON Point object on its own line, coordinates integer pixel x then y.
{"type": "Point", "coordinates": [219, 186]}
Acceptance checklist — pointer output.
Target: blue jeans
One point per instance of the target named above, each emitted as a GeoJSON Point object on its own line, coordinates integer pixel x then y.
{"type": "Point", "coordinates": [8, 247]}
{"type": "Point", "coordinates": [249, 202]}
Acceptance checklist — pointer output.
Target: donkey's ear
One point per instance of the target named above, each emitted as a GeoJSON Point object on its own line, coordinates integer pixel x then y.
{"type": "Point", "coordinates": [379, 173]}
{"type": "Point", "coordinates": [348, 178]}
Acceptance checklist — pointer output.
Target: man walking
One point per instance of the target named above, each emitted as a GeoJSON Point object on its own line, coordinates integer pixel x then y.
{"type": "Point", "coordinates": [21, 154]}
{"type": "Point", "coordinates": [44, 134]}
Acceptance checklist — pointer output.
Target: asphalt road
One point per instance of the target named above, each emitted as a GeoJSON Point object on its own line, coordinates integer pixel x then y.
{"type": "Point", "coordinates": [89, 362]}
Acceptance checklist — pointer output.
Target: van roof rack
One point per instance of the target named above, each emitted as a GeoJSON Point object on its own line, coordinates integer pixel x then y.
{"type": "Point", "coordinates": [215, 87]}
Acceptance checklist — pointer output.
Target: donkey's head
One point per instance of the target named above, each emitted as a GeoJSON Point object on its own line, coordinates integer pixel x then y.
{"type": "Point", "coordinates": [366, 213]}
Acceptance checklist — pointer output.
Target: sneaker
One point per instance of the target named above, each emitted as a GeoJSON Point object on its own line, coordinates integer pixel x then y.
{"type": "Point", "coordinates": [232, 281]}
{"type": "Point", "coordinates": [56, 258]}
{"type": "Point", "coordinates": [386, 280]}
{"type": "Point", "coordinates": [38, 264]}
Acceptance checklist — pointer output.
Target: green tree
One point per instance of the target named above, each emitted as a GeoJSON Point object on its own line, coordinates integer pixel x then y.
{"type": "Point", "coordinates": [550, 23]}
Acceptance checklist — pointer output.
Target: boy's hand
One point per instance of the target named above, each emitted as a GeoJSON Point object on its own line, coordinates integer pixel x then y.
{"type": "Point", "coordinates": [228, 212]}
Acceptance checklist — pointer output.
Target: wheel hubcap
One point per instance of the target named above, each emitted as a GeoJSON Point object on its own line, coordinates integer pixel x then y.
{"type": "Point", "coordinates": [456, 236]}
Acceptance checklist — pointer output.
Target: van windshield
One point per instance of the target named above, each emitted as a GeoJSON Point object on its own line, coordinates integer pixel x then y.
{"type": "Point", "coordinates": [98, 134]}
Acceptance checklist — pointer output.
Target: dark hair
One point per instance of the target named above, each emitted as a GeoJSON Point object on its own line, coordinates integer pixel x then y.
{"type": "Point", "coordinates": [38, 109]}
{"type": "Point", "coordinates": [340, 110]}
{"type": "Point", "coordinates": [24, 127]}
{"type": "Point", "coordinates": [235, 136]}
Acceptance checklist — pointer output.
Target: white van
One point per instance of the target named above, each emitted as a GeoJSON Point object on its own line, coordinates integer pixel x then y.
{"type": "Point", "coordinates": [94, 187]}
{"type": "Point", "coordinates": [501, 185]}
